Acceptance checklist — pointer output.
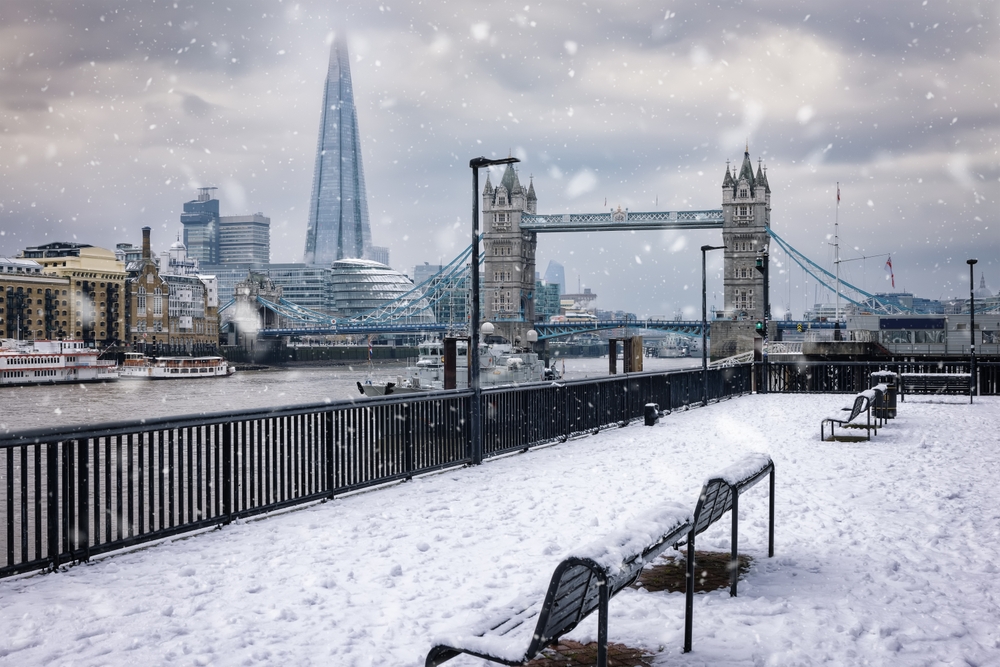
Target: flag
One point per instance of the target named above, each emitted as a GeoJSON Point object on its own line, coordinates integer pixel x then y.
{"type": "Point", "coordinates": [888, 269]}
{"type": "Point", "coordinates": [369, 348]}
{"type": "Point", "coordinates": [838, 193]}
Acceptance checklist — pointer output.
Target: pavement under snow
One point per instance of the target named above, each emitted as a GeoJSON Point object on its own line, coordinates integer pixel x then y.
{"type": "Point", "coordinates": [886, 553]}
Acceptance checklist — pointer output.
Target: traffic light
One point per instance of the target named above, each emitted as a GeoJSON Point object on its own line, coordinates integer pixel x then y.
{"type": "Point", "coordinates": [759, 327]}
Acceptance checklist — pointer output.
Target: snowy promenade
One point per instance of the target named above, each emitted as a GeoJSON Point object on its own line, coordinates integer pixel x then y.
{"type": "Point", "coordinates": [887, 553]}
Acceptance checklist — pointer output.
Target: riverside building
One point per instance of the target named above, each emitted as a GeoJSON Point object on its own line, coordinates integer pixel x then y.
{"type": "Point", "coordinates": [170, 313]}
{"type": "Point", "coordinates": [91, 307]}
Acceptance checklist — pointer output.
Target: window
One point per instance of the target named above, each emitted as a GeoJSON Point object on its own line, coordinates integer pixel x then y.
{"type": "Point", "coordinates": [157, 302]}
{"type": "Point", "coordinates": [140, 302]}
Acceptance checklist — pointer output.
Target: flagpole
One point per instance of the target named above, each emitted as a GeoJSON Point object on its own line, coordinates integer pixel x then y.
{"type": "Point", "coordinates": [836, 247]}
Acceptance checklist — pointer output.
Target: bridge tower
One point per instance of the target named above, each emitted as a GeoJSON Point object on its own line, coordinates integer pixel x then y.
{"type": "Point", "coordinates": [746, 209]}
{"type": "Point", "coordinates": [509, 261]}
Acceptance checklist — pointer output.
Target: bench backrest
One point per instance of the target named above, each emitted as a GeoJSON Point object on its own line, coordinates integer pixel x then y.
{"type": "Point", "coordinates": [574, 591]}
{"type": "Point", "coordinates": [860, 405]}
{"type": "Point", "coordinates": [717, 495]}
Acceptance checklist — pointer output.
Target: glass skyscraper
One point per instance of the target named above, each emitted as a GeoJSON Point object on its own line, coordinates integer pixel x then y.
{"type": "Point", "coordinates": [338, 210]}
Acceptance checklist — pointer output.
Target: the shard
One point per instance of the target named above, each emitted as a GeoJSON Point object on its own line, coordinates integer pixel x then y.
{"type": "Point", "coordinates": [338, 209]}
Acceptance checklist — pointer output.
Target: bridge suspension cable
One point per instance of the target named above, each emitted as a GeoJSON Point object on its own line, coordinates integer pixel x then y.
{"type": "Point", "coordinates": [822, 276]}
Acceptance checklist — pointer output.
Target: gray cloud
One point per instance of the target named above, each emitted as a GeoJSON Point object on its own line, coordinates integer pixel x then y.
{"type": "Point", "coordinates": [106, 126]}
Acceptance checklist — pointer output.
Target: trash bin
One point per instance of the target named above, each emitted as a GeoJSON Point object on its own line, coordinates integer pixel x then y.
{"type": "Point", "coordinates": [889, 379]}
{"type": "Point", "coordinates": [652, 413]}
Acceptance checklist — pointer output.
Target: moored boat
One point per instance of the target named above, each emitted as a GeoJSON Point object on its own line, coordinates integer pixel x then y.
{"type": "Point", "coordinates": [498, 365]}
{"type": "Point", "coordinates": [139, 366]}
{"type": "Point", "coordinates": [52, 361]}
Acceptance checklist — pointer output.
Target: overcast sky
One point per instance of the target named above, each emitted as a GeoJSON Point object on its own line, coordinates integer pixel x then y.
{"type": "Point", "coordinates": [112, 113]}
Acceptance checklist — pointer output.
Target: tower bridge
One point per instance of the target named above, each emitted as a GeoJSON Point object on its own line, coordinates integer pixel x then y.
{"type": "Point", "coordinates": [511, 224]}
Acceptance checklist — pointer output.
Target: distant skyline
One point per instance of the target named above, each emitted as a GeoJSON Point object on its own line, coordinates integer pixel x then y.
{"type": "Point", "coordinates": [111, 115]}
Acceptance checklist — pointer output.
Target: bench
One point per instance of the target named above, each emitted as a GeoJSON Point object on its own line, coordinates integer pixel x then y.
{"type": "Point", "coordinates": [719, 495]}
{"type": "Point", "coordinates": [581, 583]}
{"type": "Point", "coordinates": [933, 383]}
{"type": "Point", "coordinates": [589, 578]}
{"type": "Point", "coordinates": [862, 405]}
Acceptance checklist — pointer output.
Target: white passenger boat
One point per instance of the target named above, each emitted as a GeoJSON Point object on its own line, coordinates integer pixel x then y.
{"type": "Point", "coordinates": [139, 366]}
{"type": "Point", "coordinates": [52, 361]}
{"type": "Point", "coordinates": [498, 364]}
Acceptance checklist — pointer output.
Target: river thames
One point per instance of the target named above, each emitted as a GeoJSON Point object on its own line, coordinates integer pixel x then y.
{"type": "Point", "coordinates": [75, 404]}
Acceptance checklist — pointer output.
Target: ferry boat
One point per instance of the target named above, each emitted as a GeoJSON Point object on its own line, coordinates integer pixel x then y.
{"type": "Point", "coordinates": [52, 361]}
{"type": "Point", "coordinates": [499, 365]}
{"type": "Point", "coordinates": [138, 366]}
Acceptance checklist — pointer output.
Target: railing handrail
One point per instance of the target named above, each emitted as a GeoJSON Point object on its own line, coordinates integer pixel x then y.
{"type": "Point", "coordinates": [122, 427]}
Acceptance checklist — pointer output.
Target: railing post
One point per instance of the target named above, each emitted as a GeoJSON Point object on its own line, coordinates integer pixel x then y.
{"type": "Point", "coordinates": [52, 500]}
{"type": "Point", "coordinates": [408, 439]}
{"type": "Point", "coordinates": [227, 473]}
{"type": "Point", "coordinates": [83, 500]}
{"type": "Point", "coordinates": [331, 467]}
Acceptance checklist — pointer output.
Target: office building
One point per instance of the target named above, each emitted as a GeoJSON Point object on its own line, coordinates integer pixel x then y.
{"type": "Point", "coordinates": [338, 209]}
{"type": "Point", "coordinates": [244, 239]}
{"type": "Point", "coordinates": [201, 227]}
{"type": "Point", "coordinates": [360, 286]}
{"type": "Point", "coordinates": [555, 274]}
{"type": "Point", "coordinates": [212, 239]}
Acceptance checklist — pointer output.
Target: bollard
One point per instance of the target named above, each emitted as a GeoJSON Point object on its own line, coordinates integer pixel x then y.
{"type": "Point", "coordinates": [652, 413]}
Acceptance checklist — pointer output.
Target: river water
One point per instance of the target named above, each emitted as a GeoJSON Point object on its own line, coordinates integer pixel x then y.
{"type": "Point", "coordinates": [72, 404]}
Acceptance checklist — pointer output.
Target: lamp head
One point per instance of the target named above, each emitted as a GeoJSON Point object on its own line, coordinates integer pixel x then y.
{"type": "Point", "coordinates": [479, 162]}
{"type": "Point", "coordinates": [970, 262]}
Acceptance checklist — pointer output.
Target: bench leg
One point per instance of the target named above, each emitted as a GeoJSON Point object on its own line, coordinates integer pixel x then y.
{"type": "Point", "coordinates": [734, 561]}
{"type": "Point", "coordinates": [689, 594]}
{"type": "Point", "coordinates": [602, 624]}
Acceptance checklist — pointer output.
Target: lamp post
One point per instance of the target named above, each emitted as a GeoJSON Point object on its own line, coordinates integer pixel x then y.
{"type": "Point", "coordinates": [704, 323]}
{"type": "Point", "coordinates": [475, 414]}
{"type": "Point", "coordinates": [762, 267]}
{"type": "Point", "coordinates": [972, 330]}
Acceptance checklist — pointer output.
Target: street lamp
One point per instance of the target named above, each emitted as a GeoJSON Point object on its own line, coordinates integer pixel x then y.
{"type": "Point", "coordinates": [972, 330]}
{"type": "Point", "coordinates": [475, 414]}
{"type": "Point", "coordinates": [704, 323]}
{"type": "Point", "coordinates": [762, 267]}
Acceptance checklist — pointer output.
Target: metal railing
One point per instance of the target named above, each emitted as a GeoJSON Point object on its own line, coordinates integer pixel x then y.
{"type": "Point", "coordinates": [72, 493]}
{"type": "Point", "coordinates": [855, 376]}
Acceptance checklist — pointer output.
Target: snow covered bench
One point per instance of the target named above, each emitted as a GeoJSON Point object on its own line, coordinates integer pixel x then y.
{"type": "Point", "coordinates": [862, 406]}
{"type": "Point", "coordinates": [588, 579]}
{"type": "Point", "coordinates": [933, 383]}
{"type": "Point", "coordinates": [719, 495]}
{"type": "Point", "coordinates": [581, 583]}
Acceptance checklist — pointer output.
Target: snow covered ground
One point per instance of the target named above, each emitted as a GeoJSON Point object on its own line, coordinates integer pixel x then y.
{"type": "Point", "coordinates": [887, 553]}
